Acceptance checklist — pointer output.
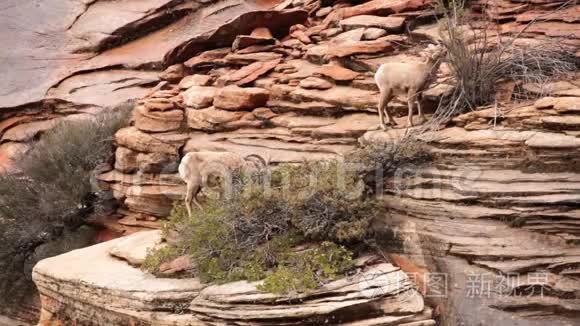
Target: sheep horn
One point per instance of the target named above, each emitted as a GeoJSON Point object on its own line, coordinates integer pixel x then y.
{"type": "Point", "coordinates": [259, 157]}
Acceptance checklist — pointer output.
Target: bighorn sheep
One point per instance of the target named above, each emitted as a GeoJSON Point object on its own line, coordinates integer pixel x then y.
{"type": "Point", "coordinates": [197, 167]}
{"type": "Point", "coordinates": [411, 78]}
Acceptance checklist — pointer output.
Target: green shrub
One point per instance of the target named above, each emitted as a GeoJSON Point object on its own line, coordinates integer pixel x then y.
{"type": "Point", "coordinates": [158, 256]}
{"type": "Point", "coordinates": [230, 237]}
{"type": "Point", "coordinates": [326, 199]}
{"type": "Point", "coordinates": [254, 230]}
{"type": "Point", "coordinates": [56, 176]}
{"type": "Point", "coordinates": [308, 269]}
{"type": "Point", "coordinates": [251, 232]}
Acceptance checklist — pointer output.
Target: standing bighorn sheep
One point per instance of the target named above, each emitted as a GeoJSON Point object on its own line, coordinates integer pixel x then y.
{"type": "Point", "coordinates": [197, 167]}
{"type": "Point", "coordinates": [411, 78]}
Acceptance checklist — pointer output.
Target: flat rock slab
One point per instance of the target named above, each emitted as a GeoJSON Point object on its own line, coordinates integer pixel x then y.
{"type": "Point", "coordinates": [346, 98]}
{"type": "Point", "coordinates": [137, 140]}
{"type": "Point", "coordinates": [315, 83]}
{"type": "Point", "coordinates": [237, 98]}
{"type": "Point", "coordinates": [382, 283]}
{"type": "Point", "coordinates": [105, 88]}
{"type": "Point", "coordinates": [156, 121]}
{"type": "Point", "coordinates": [211, 119]}
{"type": "Point", "coordinates": [354, 125]}
{"type": "Point", "coordinates": [129, 161]}
{"type": "Point", "coordinates": [133, 249]}
{"type": "Point", "coordinates": [337, 72]}
{"type": "Point", "coordinates": [210, 57]}
{"type": "Point", "coordinates": [244, 59]}
{"type": "Point", "coordinates": [391, 23]}
{"type": "Point", "coordinates": [560, 104]}
{"type": "Point", "coordinates": [90, 279]}
{"type": "Point", "coordinates": [383, 7]}
{"type": "Point", "coordinates": [199, 97]}
{"type": "Point", "coordinates": [350, 48]}
{"type": "Point", "coordinates": [243, 41]}
{"type": "Point", "coordinates": [251, 72]}
{"type": "Point", "coordinates": [133, 296]}
{"type": "Point", "coordinates": [374, 33]}
{"type": "Point", "coordinates": [354, 35]}
{"type": "Point", "coordinates": [195, 80]}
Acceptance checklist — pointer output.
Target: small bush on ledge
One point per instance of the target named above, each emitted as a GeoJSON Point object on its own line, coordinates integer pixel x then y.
{"type": "Point", "coordinates": [289, 228]}
{"type": "Point", "coordinates": [376, 162]}
{"type": "Point", "coordinates": [480, 60]}
{"type": "Point", "coordinates": [295, 227]}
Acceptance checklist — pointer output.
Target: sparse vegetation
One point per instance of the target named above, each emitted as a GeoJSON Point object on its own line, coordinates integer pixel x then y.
{"type": "Point", "coordinates": [379, 161]}
{"type": "Point", "coordinates": [52, 194]}
{"type": "Point", "coordinates": [253, 232]}
{"type": "Point", "coordinates": [158, 256]}
{"type": "Point", "coordinates": [55, 177]}
{"type": "Point", "coordinates": [481, 59]}
{"type": "Point", "coordinates": [295, 227]}
{"type": "Point", "coordinates": [305, 270]}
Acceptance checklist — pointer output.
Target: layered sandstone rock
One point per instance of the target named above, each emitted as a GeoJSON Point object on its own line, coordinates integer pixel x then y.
{"type": "Point", "coordinates": [86, 294]}
{"type": "Point", "coordinates": [89, 55]}
{"type": "Point", "coordinates": [295, 83]}
{"type": "Point", "coordinates": [281, 99]}
{"type": "Point", "coordinates": [497, 212]}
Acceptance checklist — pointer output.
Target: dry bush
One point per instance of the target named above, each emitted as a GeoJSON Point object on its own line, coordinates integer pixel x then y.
{"type": "Point", "coordinates": [251, 233]}
{"type": "Point", "coordinates": [480, 59]}
{"type": "Point", "coordinates": [51, 195]}
{"type": "Point", "coordinates": [327, 202]}
{"type": "Point", "coordinates": [56, 176]}
{"type": "Point", "coordinates": [377, 162]}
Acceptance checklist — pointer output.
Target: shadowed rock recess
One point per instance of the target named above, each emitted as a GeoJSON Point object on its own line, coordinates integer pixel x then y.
{"type": "Point", "coordinates": [487, 234]}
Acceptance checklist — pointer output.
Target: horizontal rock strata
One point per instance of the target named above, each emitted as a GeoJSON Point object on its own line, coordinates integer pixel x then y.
{"type": "Point", "coordinates": [86, 293]}
{"type": "Point", "coordinates": [500, 200]}
{"type": "Point", "coordinates": [293, 80]}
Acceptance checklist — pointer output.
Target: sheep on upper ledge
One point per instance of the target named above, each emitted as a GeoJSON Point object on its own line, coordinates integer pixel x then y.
{"type": "Point", "coordinates": [410, 78]}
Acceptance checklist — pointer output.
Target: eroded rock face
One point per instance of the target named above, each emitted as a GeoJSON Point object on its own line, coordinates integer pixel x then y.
{"type": "Point", "coordinates": [70, 293]}
{"type": "Point", "coordinates": [379, 293]}
{"type": "Point", "coordinates": [295, 83]}
{"type": "Point", "coordinates": [236, 98]}
{"type": "Point", "coordinates": [498, 206]}
{"type": "Point", "coordinates": [78, 59]}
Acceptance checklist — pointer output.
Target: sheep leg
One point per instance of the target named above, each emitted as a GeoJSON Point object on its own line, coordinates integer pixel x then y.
{"type": "Point", "coordinates": [188, 197]}
{"type": "Point", "coordinates": [194, 197]}
{"type": "Point", "coordinates": [193, 188]}
{"type": "Point", "coordinates": [410, 102]}
{"type": "Point", "coordinates": [420, 111]}
{"type": "Point", "coordinates": [386, 97]}
{"type": "Point", "coordinates": [380, 109]}
{"type": "Point", "coordinates": [197, 188]}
